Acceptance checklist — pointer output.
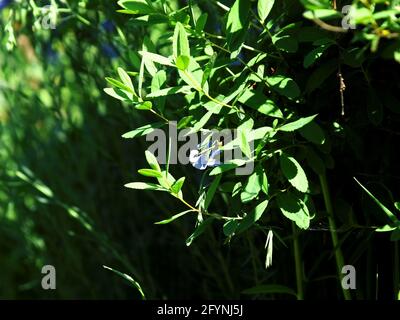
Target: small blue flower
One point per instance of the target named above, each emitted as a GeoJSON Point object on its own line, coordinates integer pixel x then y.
{"type": "Point", "coordinates": [109, 50]}
{"type": "Point", "coordinates": [5, 3]}
{"type": "Point", "coordinates": [108, 26]}
{"type": "Point", "coordinates": [201, 159]}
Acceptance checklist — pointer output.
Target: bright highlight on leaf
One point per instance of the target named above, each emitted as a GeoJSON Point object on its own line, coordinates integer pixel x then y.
{"type": "Point", "coordinates": [294, 209]}
{"type": "Point", "coordinates": [264, 7]}
{"type": "Point", "coordinates": [294, 173]}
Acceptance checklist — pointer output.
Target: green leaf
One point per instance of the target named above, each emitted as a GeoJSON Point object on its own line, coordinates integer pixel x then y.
{"type": "Point", "coordinates": [208, 50]}
{"type": "Point", "coordinates": [150, 173]}
{"type": "Point", "coordinates": [261, 132]}
{"type": "Point", "coordinates": [362, 16]}
{"type": "Point", "coordinates": [236, 189]}
{"type": "Point", "coordinates": [37, 184]}
{"type": "Point", "coordinates": [137, 6]}
{"type": "Point", "coordinates": [148, 128]}
{"type": "Point", "coordinates": [173, 218]}
{"type": "Point", "coordinates": [244, 143]}
{"type": "Point", "coordinates": [144, 186]}
{"type": "Point", "coordinates": [169, 91]}
{"type": "Point", "coordinates": [264, 182]}
{"type": "Point", "coordinates": [193, 76]}
{"type": "Point", "coordinates": [386, 13]}
{"type": "Point", "coordinates": [286, 38]}
{"type": "Point", "coordinates": [253, 216]}
{"type": "Point", "coordinates": [229, 165]}
{"type": "Point", "coordinates": [295, 125]}
{"type": "Point", "coordinates": [316, 4]}
{"type": "Point", "coordinates": [145, 105]}
{"type": "Point", "coordinates": [396, 56]}
{"type": "Point", "coordinates": [148, 46]}
{"type": "Point", "coordinates": [284, 86]}
{"type": "Point", "coordinates": [325, 14]}
{"type": "Point", "coordinates": [294, 209]}
{"type": "Point", "coordinates": [201, 227]}
{"type": "Point", "coordinates": [269, 289]}
{"type": "Point", "coordinates": [167, 180]}
{"type": "Point", "coordinates": [120, 85]}
{"type": "Point", "coordinates": [158, 80]}
{"type": "Point", "coordinates": [392, 217]}
{"type": "Point", "coordinates": [237, 23]}
{"type": "Point", "coordinates": [230, 227]}
{"type": "Point", "coordinates": [180, 44]}
{"type": "Point", "coordinates": [184, 122]}
{"type": "Point", "coordinates": [182, 62]}
{"type": "Point", "coordinates": [177, 186]}
{"type": "Point", "coordinates": [294, 173]}
{"type": "Point", "coordinates": [201, 22]}
{"type": "Point", "coordinates": [147, 20]}
{"type": "Point", "coordinates": [201, 123]}
{"type": "Point", "coordinates": [156, 58]}
{"type": "Point", "coordinates": [125, 78]}
{"type": "Point", "coordinates": [313, 133]}
{"type": "Point", "coordinates": [257, 134]}
{"type": "Point", "coordinates": [141, 76]}
{"type": "Point", "coordinates": [314, 55]}
{"type": "Point", "coordinates": [258, 101]}
{"type": "Point", "coordinates": [286, 42]}
{"type": "Point", "coordinates": [254, 185]}
{"type": "Point", "coordinates": [256, 59]}
{"type": "Point", "coordinates": [386, 228]}
{"type": "Point", "coordinates": [237, 16]}
{"type": "Point", "coordinates": [211, 192]}
{"type": "Point", "coordinates": [152, 161]}
{"type": "Point", "coordinates": [247, 123]}
{"type": "Point", "coordinates": [119, 94]}
{"type": "Point", "coordinates": [129, 279]}
{"type": "Point", "coordinates": [264, 8]}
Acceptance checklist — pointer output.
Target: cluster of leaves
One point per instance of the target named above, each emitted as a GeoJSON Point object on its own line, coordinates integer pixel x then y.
{"type": "Point", "coordinates": [257, 66]}
{"type": "Point", "coordinates": [372, 21]}
{"type": "Point", "coordinates": [241, 78]}
{"type": "Point", "coordinates": [202, 64]}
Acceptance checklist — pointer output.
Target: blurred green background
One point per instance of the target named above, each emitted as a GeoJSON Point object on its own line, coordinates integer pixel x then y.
{"type": "Point", "coordinates": [63, 164]}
